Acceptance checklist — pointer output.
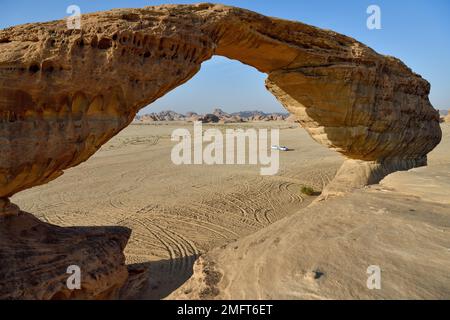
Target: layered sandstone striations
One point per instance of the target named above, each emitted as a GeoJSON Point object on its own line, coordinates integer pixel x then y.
{"type": "Point", "coordinates": [64, 93]}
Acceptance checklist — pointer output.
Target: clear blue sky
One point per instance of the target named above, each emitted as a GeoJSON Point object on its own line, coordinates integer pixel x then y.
{"type": "Point", "coordinates": [416, 31]}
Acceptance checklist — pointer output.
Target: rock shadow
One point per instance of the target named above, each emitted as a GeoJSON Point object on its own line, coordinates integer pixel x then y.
{"type": "Point", "coordinates": [156, 280]}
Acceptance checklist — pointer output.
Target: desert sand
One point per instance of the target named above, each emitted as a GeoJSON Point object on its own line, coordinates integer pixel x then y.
{"type": "Point", "coordinates": [177, 213]}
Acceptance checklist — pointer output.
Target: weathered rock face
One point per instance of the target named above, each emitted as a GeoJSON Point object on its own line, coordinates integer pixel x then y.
{"type": "Point", "coordinates": [66, 92]}
{"type": "Point", "coordinates": [34, 257]}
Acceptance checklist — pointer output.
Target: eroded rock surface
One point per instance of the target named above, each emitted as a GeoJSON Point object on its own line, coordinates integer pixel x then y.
{"type": "Point", "coordinates": [35, 256]}
{"type": "Point", "coordinates": [64, 93]}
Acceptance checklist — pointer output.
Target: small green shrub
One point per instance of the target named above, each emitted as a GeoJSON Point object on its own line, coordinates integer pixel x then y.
{"type": "Point", "coordinates": [307, 190]}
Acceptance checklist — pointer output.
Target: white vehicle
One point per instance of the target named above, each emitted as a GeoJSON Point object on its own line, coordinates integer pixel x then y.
{"type": "Point", "coordinates": [281, 148]}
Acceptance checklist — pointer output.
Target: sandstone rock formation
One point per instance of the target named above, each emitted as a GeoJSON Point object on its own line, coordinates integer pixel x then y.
{"type": "Point", "coordinates": [209, 118]}
{"type": "Point", "coordinates": [220, 113]}
{"type": "Point", "coordinates": [64, 92]}
{"type": "Point", "coordinates": [34, 257]}
{"type": "Point", "coordinates": [160, 116]}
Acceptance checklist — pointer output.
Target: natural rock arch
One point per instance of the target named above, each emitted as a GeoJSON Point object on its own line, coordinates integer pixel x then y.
{"type": "Point", "coordinates": [64, 92]}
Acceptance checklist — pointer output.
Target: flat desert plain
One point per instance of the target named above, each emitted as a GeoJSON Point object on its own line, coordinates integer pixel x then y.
{"type": "Point", "coordinates": [177, 212]}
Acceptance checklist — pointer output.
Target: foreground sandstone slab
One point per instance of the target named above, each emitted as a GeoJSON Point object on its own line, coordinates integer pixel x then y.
{"type": "Point", "coordinates": [427, 183]}
{"type": "Point", "coordinates": [323, 252]}
{"type": "Point", "coordinates": [34, 257]}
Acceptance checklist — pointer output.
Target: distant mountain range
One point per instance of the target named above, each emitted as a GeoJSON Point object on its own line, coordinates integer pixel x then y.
{"type": "Point", "coordinates": [218, 115]}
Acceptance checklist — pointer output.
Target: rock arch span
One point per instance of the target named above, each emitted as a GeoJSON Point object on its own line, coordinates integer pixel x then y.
{"type": "Point", "coordinates": [64, 92]}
